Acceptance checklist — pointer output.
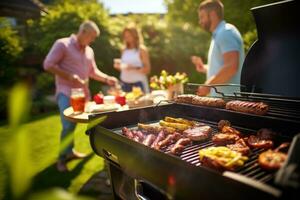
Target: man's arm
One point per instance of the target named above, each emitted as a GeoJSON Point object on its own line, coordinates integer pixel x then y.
{"type": "Point", "coordinates": [200, 66]}
{"type": "Point", "coordinates": [97, 75]}
{"type": "Point", "coordinates": [229, 69]}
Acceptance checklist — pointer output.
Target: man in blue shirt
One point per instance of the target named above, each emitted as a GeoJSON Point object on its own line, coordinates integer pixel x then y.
{"type": "Point", "coordinates": [226, 51]}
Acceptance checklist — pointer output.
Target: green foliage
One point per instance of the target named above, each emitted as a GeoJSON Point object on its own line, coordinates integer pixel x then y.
{"type": "Point", "coordinates": [249, 38]}
{"type": "Point", "coordinates": [28, 148]}
{"type": "Point", "coordinates": [170, 45]}
{"type": "Point", "coordinates": [235, 12]}
{"type": "Point", "coordinates": [10, 51]}
{"type": "Point", "coordinates": [10, 42]}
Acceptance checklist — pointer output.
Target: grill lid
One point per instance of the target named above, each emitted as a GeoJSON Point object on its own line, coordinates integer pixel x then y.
{"type": "Point", "coordinates": [272, 65]}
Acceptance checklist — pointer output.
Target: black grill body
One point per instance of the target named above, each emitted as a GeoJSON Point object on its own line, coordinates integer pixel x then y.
{"type": "Point", "coordinates": [133, 165]}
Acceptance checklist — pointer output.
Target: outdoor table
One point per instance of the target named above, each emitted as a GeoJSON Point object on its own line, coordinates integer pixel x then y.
{"type": "Point", "coordinates": [84, 116]}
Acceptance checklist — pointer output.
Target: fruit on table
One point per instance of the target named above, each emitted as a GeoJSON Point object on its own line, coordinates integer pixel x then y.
{"type": "Point", "coordinates": [98, 98]}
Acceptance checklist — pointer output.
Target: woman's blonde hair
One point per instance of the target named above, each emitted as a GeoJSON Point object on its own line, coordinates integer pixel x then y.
{"type": "Point", "coordinates": [138, 39]}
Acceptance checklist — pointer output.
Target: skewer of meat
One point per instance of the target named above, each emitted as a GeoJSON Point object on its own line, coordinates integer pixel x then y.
{"type": "Point", "coordinates": [180, 145]}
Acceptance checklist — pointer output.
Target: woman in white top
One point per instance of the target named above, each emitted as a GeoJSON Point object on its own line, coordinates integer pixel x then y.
{"type": "Point", "coordinates": [135, 63]}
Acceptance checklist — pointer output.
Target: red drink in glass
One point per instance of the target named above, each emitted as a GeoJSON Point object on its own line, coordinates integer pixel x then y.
{"type": "Point", "coordinates": [77, 100]}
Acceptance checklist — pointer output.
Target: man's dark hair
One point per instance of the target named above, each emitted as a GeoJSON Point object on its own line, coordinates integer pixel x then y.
{"type": "Point", "coordinates": [215, 5]}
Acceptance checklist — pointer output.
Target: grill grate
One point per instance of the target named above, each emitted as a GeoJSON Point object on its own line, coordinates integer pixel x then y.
{"type": "Point", "coordinates": [251, 169]}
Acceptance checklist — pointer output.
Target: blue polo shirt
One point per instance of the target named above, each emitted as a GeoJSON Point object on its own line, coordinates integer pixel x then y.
{"type": "Point", "coordinates": [225, 38]}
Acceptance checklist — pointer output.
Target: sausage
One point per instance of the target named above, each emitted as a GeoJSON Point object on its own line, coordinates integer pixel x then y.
{"type": "Point", "coordinates": [138, 134]}
{"type": "Point", "coordinates": [208, 101]}
{"type": "Point", "coordinates": [149, 140]}
{"type": "Point", "coordinates": [168, 140]}
{"type": "Point", "coordinates": [128, 133]}
{"type": "Point", "coordinates": [160, 136]}
{"type": "Point", "coordinates": [180, 145]}
{"type": "Point", "coordinates": [185, 98]}
{"type": "Point", "coordinates": [258, 108]}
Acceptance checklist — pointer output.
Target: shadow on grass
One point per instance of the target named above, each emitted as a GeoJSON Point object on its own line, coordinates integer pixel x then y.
{"type": "Point", "coordinates": [50, 177]}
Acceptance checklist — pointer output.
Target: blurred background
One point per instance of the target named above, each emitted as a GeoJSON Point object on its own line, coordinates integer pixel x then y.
{"type": "Point", "coordinates": [169, 27]}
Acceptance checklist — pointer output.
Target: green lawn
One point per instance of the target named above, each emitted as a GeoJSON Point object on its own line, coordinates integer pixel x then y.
{"type": "Point", "coordinates": [42, 136]}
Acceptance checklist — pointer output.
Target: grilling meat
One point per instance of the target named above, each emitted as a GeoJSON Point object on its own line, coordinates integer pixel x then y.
{"type": "Point", "coordinates": [128, 133]}
{"type": "Point", "coordinates": [180, 145]}
{"type": "Point", "coordinates": [160, 137]}
{"type": "Point", "coordinates": [169, 140]}
{"type": "Point", "coordinates": [265, 134]}
{"type": "Point", "coordinates": [230, 130]}
{"type": "Point", "coordinates": [208, 101]}
{"type": "Point", "coordinates": [258, 108]}
{"type": "Point", "coordinates": [198, 133]}
{"type": "Point", "coordinates": [240, 146]}
{"type": "Point", "coordinates": [185, 98]}
{"type": "Point", "coordinates": [273, 159]}
{"type": "Point", "coordinates": [138, 135]}
{"type": "Point", "coordinates": [149, 140]}
{"type": "Point", "coordinates": [256, 142]}
{"type": "Point", "coordinates": [222, 139]}
{"type": "Point", "coordinates": [223, 123]}
{"type": "Point", "coordinates": [221, 158]}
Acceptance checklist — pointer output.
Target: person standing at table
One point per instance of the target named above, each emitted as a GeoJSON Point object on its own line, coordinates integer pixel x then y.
{"type": "Point", "coordinates": [134, 64]}
{"type": "Point", "coordinates": [72, 61]}
{"type": "Point", "coordinates": [226, 51]}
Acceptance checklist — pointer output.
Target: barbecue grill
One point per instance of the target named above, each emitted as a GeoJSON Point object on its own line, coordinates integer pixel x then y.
{"type": "Point", "coordinates": [140, 172]}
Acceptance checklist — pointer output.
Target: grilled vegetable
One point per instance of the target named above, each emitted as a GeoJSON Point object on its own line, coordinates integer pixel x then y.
{"type": "Point", "coordinates": [180, 121]}
{"type": "Point", "coordinates": [221, 158]}
{"type": "Point", "coordinates": [150, 128]}
{"type": "Point", "coordinates": [177, 126]}
{"type": "Point", "coordinates": [156, 129]}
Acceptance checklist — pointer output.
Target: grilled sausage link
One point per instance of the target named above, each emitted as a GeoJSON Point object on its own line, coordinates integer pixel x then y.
{"type": "Point", "coordinates": [208, 101]}
{"type": "Point", "coordinates": [149, 140]}
{"type": "Point", "coordinates": [258, 108]}
{"type": "Point", "coordinates": [160, 137]}
{"type": "Point", "coordinates": [180, 145]}
{"type": "Point", "coordinates": [185, 98]}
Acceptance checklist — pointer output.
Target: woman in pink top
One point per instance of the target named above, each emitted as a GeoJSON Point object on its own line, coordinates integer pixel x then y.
{"type": "Point", "coordinates": [72, 62]}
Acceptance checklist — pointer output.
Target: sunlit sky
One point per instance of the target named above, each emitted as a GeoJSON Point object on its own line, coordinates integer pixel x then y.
{"type": "Point", "coordinates": [134, 6]}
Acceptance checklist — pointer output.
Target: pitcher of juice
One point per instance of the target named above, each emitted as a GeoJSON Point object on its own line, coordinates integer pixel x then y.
{"type": "Point", "coordinates": [77, 100]}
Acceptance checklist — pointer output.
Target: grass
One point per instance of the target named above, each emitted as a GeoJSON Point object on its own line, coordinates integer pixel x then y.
{"type": "Point", "coordinates": [43, 133]}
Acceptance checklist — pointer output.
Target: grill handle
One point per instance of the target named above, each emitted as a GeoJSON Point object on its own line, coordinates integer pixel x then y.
{"type": "Point", "coordinates": [216, 86]}
{"type": "Point", "coordinates": [138, 190]}
{"type": "Point", "coordinates": [146, 191]}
